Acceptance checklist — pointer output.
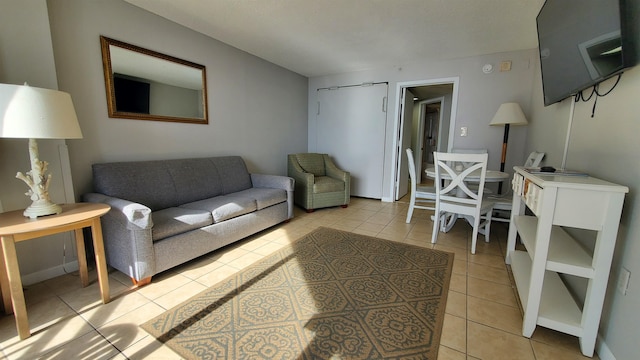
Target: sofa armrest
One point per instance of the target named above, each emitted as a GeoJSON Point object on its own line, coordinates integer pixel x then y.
{"type": "Point", "coordinates": [127, 234]}
{"type": "Point", "coordinates": [272, 181]}
{"type": "Point", "coordinates": [133, 215]}
{"type": "Point", "coordinates": [277, 182]}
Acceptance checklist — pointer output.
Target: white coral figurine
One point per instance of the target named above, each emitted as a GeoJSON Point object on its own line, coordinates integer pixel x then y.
{"type": "Point", "coordinates": [38, 187]}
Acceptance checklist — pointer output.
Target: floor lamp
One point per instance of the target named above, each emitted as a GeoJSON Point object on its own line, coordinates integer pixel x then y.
{"type": "Point", "coordinates": [34, 113]}
{"type": "Point", "coordinates": [507, 114]}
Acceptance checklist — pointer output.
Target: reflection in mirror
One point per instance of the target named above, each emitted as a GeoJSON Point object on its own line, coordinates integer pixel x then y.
{"type": "Point", "coordinates": [146, 85]}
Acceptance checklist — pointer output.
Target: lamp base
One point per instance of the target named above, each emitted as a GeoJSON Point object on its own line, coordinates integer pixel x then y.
{"type": "Point", "coordinates": [41, 208]}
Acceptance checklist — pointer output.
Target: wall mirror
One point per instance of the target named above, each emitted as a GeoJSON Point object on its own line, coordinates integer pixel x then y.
{"type": "Point", "coordinates": [146, 85]}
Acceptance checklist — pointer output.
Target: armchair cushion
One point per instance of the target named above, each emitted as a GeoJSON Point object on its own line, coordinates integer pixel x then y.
{"type": "Point", "coordinates": [325, 184]}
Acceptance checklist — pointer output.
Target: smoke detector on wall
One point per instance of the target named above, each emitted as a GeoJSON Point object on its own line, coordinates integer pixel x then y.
{"type": "Point", "coordinates": [487, 68]}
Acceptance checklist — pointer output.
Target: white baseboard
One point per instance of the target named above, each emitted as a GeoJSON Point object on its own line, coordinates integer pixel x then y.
{"type": "Point", "coordinates": [49, 273]}
{"type": "Point", "coordinates": [603, 350]}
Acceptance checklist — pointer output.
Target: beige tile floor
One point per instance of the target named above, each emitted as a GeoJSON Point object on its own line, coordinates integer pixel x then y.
{"type": "Point", "coordinates": [482, 321]}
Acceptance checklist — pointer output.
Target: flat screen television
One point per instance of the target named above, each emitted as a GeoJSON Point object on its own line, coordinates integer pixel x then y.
{"type": "Point", "coordinates": [584, 42]}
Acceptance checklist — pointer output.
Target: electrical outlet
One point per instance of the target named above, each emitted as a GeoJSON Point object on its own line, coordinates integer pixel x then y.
{"type": "Point", "coordinates": [463, 131]}
{"type": "Point", "coordinates": [623, 281]}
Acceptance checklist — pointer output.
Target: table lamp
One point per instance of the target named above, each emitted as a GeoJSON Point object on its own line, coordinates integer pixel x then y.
{"type": "Point", "coordinates": [507, 114]}
{"type": "Point", "coordinates": [34, 113]}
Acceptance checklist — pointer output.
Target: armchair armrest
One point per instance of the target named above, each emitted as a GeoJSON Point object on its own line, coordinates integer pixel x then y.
{"type": "Point", "coordinates": [333, 171]}
{"type": "Point", "coordinates": [297, 172]}
{"type": "Point", "coordinates": [336, 173]}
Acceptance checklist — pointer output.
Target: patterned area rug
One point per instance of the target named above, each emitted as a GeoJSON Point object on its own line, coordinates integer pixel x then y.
{"type": "Point", "coordinates": [330, 295]}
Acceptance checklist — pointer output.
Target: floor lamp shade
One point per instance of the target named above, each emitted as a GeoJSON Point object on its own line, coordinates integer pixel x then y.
{"type": "Point", "coordinates": [507, 114]}
{"type": "Point", "coordinates": [34, 113]}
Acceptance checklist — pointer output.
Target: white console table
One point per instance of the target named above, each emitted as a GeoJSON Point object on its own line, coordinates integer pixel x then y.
{"type": "Point", "coordinates": [557, 201]}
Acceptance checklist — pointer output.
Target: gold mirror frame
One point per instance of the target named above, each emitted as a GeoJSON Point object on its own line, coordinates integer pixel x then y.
{"type": "Point", "coordinates": [186, 88]}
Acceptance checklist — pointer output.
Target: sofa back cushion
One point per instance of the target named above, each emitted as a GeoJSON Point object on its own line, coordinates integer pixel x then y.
{"type": "Point", "coordinates": [145, 182]}
{"type": "Point", "coordinates": [194, 179]}
{"type": "Point", "coordinates": [160, 184]}
{"type": "Point", "coordinates": [233, 173]}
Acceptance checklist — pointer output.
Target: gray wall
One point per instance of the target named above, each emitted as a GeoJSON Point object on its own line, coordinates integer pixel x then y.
{"type": "Point", "coordinates": [26, 55]}
{"type": "Point", "coordinates": [605, 146]}
{"type": "Point", "coordinates": [479, 97]}
{"type": "Point", "coordinates": [256, 109]}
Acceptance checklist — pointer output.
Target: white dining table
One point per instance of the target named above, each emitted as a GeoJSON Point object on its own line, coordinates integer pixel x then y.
{"type": "Point", "coordinates": [490, 176]}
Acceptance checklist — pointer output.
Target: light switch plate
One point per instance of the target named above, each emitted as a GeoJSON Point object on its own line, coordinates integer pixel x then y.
{"type": "Point", "coordinates": [623, 281]}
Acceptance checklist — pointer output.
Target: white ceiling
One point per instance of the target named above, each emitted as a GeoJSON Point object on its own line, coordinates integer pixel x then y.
{"type": "Point", "coordinates": [321, 37]}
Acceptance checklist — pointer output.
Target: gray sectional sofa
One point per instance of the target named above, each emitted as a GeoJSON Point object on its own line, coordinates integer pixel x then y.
{"type": "Point", "coordinates": [166, 212]}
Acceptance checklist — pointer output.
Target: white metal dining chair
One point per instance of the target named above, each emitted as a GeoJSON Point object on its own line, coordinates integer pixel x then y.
{"type": "Point", "coordinates": [457, 198]}
{"type": "Point", "coordinates": [468, 151]}
{"type": "Point", "coordinates": [503, 202]}
{"type": "Point", "coordinates": [422, 197]}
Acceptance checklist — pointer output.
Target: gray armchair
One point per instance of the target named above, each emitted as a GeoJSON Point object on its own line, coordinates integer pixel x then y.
{"type": "Point", "coordinates": [319, 182]}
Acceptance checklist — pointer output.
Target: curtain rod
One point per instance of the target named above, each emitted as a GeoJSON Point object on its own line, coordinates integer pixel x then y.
{"type": "Point", "coordinates": [355, 85]}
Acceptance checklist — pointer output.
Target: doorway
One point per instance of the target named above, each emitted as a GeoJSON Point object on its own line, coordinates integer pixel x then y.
{"type": "Point", "coordinates": [429, 129]}
{"type": "Point", "coordinates": [429, 137]}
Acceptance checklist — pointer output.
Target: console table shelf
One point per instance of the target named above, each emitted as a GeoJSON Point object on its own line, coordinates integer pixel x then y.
{"type": "Point", "coordinates": [558, 310]}
{"type": "Point", "coordinates": [565, 253]}
{"type": "Point", "coordinates": [581, 202]}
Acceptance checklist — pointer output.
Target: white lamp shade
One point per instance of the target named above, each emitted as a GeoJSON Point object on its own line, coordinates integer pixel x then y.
{"type": "Point", "coordinates": [509, 113]}
{"type": "Point", "coordinates": [35, 113]}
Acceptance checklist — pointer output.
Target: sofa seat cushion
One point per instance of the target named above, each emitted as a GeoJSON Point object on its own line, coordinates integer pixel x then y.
{"type": "Point", "coordinates": [173, 221]}
{"type": "Point", "coordinates": [224, 207]}
{"type": "Point", "coordinates": [264, 197]}
{"type": "Point", "coordinates": [324, 184]}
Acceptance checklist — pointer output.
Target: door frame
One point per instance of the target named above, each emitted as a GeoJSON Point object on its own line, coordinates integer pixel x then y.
{"type": "Point", "coordinates": [407, 109]}
{"type": "Point", "coordinates": [398, 123]}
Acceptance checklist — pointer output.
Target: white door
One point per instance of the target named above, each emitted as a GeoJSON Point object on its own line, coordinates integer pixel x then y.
{"type": "Point", "coordinates": [350, 128]}
{"type": "Point", "coordinates": [406, 124]}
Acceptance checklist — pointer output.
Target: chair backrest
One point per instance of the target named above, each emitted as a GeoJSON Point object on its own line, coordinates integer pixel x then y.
{"type": "Point", "coordinates": [412, 170]}
{"type": "Point", "coordinates": [457, 196]}
{"type": "Point", "coordinates": [312, 163]}
{"type": "Point", "coordinates": [534, 159]}
{"type": "Point", "coordinates": [468, 151]}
